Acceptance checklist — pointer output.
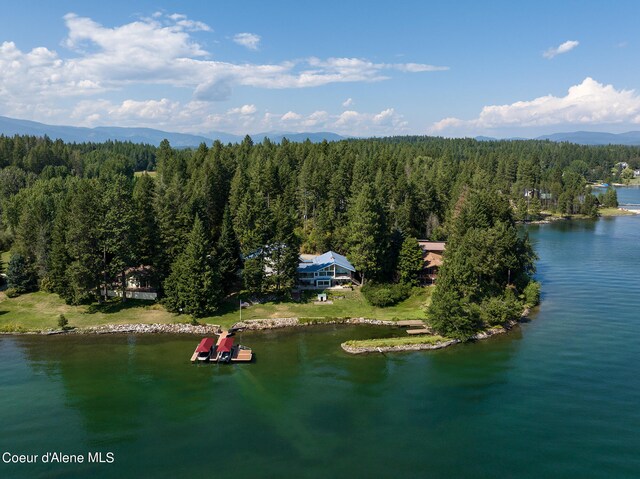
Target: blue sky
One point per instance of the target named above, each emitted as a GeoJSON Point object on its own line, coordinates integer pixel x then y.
{"type": "Point", "coordinates": [357, 68]}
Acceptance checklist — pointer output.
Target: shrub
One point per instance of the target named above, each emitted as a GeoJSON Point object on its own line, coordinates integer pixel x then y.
{"type": "Point", "coordinates": [532, 294]}
{"type": "Point", "coordinates": [500, 309]}
{"type": "Point", "coordinates": [382, 295]}
{"type": "Point", "coordinates": [12, 293]}
{"type": "Point", "coordinates": [62, 321]}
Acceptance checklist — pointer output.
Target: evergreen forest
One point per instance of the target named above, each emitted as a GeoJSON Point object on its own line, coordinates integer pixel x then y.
{"type": "Point", "coordinates": [203, 222]}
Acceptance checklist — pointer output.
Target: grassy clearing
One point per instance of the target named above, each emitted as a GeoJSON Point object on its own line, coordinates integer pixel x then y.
{"type": "Point", "coordinates": [391, 342]}
{"type": "Point", "coordinates": [614, 212]}
{"type": "Point", "coordinates": [5, 257]}
{"type": "Point", "coordinates": [346, 304]}
{"type": "Point", "coordinates": [39, 311]}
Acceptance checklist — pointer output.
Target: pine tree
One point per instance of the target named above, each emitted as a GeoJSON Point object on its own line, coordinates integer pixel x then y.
{"type": "Point", "coordinates": [535, 208]}
{"type": "Point", "coordinates": [228, 253]}
{"type": "Point", "coordinates": [366, 241]}
{"type": "Point", "coordinates": [59, 258]}
{"type": "Point", "coordinates": [147, 247]}
{"type": "Point", "coordinates": [20, 274]}
{"type": "Point", "coordinates": [521, 210]}
{"type": "Point", "coordinates": [83, 241]}
{"type": "Point", "coordinates": [410, 262]}
{"type": "Point", "coordinates": [194, 285]}
{"type": "Point", "coordinates": [284, 250]}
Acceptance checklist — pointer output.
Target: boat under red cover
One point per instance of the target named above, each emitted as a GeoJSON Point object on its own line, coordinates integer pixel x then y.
{"type": "Point", "coordinates": [205, 345]}
{"type": "Point", "coordinates": [224, 351]}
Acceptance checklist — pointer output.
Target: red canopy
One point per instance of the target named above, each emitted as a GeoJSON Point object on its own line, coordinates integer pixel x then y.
{"type": "Point", "coordinates": [225, 345]}
{"type": "Point", "coordinates": [205, 345]}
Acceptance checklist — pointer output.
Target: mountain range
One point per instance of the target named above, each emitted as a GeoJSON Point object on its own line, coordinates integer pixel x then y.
{"type": "Point", "coordinates": [12, 126]}
{"type": "Point", "coordinates": [630, 138]}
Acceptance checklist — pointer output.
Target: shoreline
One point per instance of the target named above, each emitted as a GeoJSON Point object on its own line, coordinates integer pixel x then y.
{"type": "Point", "coordinates": [274, 323]}
{"type": "Point", "coordinates": [481, 335]}
{"type": "Point", "coordinates": [200, 329]}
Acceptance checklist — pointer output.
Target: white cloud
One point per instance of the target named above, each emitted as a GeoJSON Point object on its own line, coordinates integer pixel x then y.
{"type": "Point", "coordinates": [347, 103]}
{"type": "Point", "coordinates": [247, 40]}
{"type": "Point", "coordinates": [387, 122]}
{"type": "Point", "coordinates": [562, 48]}
{"type": "Point", "coordinates": [243, 110]}
{"type": "Point", "coordinates": [589, 103]}
{"type": "Point", "coordinates": [181, 20]}
{"type": "Point", "coordinates": [161, 51]}
{"type": "Point", "coordinates": [291, 116]}
{"type": "Point", "coordinates": [94, 82]}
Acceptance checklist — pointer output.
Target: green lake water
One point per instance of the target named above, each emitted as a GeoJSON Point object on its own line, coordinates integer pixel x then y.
{"type": "Point", "coordinates": [557, 397]}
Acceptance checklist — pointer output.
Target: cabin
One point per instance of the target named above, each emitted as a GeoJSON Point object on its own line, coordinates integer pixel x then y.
{"type": "Point", "coordinates": [432, 253]}
{"type": "Point", "coordinates": [327, 270]}
{"type": "Point", "coordinates": [139, 284]}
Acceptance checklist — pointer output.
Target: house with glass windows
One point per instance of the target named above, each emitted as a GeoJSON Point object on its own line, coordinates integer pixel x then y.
{"type": "Point", "coordinates": [325, 271]}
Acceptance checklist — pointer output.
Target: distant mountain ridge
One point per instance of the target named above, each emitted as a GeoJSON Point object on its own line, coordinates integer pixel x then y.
{"type": "Point", "coordinates": [77, 134]}
{"type": "Point", "coordinates": [630, 138]}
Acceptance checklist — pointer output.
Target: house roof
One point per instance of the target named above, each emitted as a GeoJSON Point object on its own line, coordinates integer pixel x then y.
{"type": "Point", "coordinates": [437, 246]}
{"type": "Point", "coordinates": [433, 259]}
{"type": "Point", "coordinates": [327, 259]}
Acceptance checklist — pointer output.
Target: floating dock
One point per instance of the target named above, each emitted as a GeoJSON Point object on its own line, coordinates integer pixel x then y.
{"type": "Point", "coordinates": [224, 351]}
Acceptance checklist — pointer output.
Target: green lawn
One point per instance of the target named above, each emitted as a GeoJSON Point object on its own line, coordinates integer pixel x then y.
{"type": "Point", "coordinates": [614, 212]}
{"type": "Point", "coordinates": [38, 311]}
{"type": "Point", "coordinates": [352, 305]}
{"type": "Point", "coordinates": [399, 341]}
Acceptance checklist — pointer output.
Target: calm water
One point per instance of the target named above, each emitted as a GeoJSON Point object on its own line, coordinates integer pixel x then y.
{"type": "Point", "coordinates": [558, 397]}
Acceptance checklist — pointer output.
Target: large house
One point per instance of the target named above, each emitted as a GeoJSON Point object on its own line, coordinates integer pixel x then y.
{"type": "Point", "coordinates": [432, 252]}
{"type": "Point", "coordinates": [324, 271]}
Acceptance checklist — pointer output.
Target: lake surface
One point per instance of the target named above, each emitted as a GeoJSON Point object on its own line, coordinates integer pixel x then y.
{"type": "Point", "coordinates": [557, 397]}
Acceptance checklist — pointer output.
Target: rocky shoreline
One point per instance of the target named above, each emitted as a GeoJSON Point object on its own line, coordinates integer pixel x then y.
{"type": "Point", "coordinates": [201, 329]}
{"type": "Point", "coordinates": [276, 323]}
{"type": "Point", "coordinates": [156, 328]}
{"type": "Point", "coordinates": [427, 346]}
{"type": "Point", "coordinates": [269, 324]}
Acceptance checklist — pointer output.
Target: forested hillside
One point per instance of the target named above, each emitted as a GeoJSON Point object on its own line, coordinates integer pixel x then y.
{"type": "Point", "coordinates": [75, 216]}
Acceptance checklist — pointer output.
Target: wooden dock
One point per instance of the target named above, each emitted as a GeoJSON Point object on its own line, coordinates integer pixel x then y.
{"type": "Point", "coordinates": [410, 322]}
{"type": "Point", "coordinates": [240, 354]}
{"type": "Point", "coordinates": [418, 331]}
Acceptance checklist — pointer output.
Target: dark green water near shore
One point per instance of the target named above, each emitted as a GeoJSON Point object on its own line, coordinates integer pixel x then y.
{"type": "Point", "coordinates": [557, 397]}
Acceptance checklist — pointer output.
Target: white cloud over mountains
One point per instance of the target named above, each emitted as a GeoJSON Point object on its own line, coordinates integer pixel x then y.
{"type": "Point", "coordinates": [588, 103]}
{"type": "Point", "coordinates": [105, 63]}
{"type": "Point", "coordinates": [167, 114]}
